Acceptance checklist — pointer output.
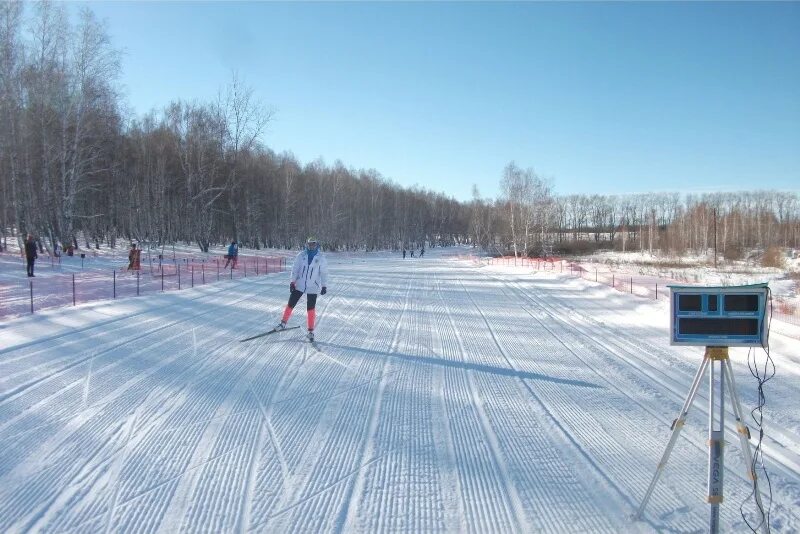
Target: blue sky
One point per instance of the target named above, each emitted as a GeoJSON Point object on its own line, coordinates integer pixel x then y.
{"type": "Point", "coordinates": [599, 97]}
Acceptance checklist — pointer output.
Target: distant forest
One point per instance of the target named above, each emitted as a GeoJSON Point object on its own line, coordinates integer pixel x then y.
{"type": "Point", "coordinates": [74, 163]}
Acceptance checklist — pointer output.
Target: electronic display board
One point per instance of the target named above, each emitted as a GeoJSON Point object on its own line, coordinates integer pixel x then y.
{"type": "Point", "coordinates": [720, 316]}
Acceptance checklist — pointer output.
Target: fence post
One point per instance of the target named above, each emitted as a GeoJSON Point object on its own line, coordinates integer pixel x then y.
{"type": "Point", "coordinates": [217, 270]}
{"type": "Point", "coordinates": [162, 280]}
{"type": "Point", "coordinates": [631, 285]}
{"type": "Point", "coordinates": [31, 282]}
{"type": "Point", "coordinates": [656, 291]}
{"type": "Point", "coordinates": [595, 274]}
{"type": "Point", "coordinates": [231, 271]}
{"type": "Point", "coordinates": [192, 274]}
{"type": "Point", "coordinates": [245, 268]}
{"type": "Point", "coordinates": [137, 283]}
{"type": "Point", "coordinates": [115, 283]}
{"type": "Point", "coordinates": [178, 266]}
{"type": "Point", "coordinates": [203, 272]}
{"type": "Point", "coordinates": [256, 266]}
{"type": "Point", "coordinates": [613, 282]}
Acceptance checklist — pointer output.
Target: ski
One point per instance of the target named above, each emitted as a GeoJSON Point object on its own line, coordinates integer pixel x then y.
{"type": "Point", "coordinates": [273, 331]}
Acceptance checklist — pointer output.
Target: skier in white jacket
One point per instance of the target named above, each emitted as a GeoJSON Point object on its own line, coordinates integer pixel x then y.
{"type": "Point", "coordinates": [309, 276]}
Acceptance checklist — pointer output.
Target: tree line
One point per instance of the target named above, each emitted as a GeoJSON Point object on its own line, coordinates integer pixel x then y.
{"type": "Point", "coordinates": [529, 217]}
{"type": "Point", "coordinates": [74, 163]}
{"type": "Point", "coordinates": [71, 162]}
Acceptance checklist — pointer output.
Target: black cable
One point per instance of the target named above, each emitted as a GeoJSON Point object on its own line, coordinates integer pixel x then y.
{"type": "Point", "coordinates": [758, 417]}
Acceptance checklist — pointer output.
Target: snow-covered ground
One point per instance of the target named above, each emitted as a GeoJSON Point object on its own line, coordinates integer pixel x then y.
{"type": "Point", "coordinates": [445, 397]}
{"type": "Point", "coordinates": [694, 269]}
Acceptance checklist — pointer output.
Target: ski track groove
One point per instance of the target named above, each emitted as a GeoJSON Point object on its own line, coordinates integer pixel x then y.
{"type": "Point", "coordinates": [626, 361]}
{"type": "Point", "coordinates": [24, 502]}
{"type": "Point", "coordinates": [315, 408]}
{"type": "Point", "coordinates": [104, 385]}
{"type": "Point", "coordinates": [222, 496]}
{"type": "Point", "coordinates": [446, 399]}
{"type": "Point", "coordinates": [37, 361]}
{"type": "Point", "coordinates": [608, 453]}
{"type": "Point", "coordinates": [345, 437]}
{"type": "Point", "coordinates": [568, 406]}
{"type": "Point", "coordinates": [350, 512]}
{"type": "Point", "coordinates": [672, 386]}
{"type": "Point", "coordinates": [57, 382]}
{"type": "Point", "coordinates": [401, 491]}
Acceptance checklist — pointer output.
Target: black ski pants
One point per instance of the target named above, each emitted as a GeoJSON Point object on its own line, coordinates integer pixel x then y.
{"type": "Point", "coordinates": [30, 265]}
{"type": "Point", "coordinates": [311, 299]}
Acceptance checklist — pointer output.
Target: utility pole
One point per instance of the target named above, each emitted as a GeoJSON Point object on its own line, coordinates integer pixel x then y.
{"type": "Point", "coordinates": [715, 238]}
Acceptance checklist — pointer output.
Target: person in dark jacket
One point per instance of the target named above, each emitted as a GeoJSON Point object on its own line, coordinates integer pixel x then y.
{"type": "Point", "coordinates": [30, 253]}
{"type": "Point", "coordinates": [232, 256]}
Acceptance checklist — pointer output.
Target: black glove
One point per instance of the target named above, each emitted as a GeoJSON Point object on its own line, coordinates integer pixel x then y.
{"type": "Point", "coordinates": [324, 290]}
{"type": "Point", "coordinates": [292, 287]}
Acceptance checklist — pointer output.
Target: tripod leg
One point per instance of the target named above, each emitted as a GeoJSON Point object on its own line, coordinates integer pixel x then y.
{"type": "Point", "coordinates": [716, 437]}
{"type": "Point", "coordinates": [677, 425]}
{"type": "Point", "coordinates": [744, 442]}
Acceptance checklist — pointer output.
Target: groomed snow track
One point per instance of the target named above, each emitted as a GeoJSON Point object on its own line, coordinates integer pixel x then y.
{"type": "Point", "coordinates": [441, 397]}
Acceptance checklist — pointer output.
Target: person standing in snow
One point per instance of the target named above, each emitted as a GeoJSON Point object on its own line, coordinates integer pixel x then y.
{"type": "Point", "coordinates": [404, 253]}
{"type": "Point", "coordinates": [30, 254]}
{"type": "Point", "coordinates": [309, 276]}
{"type": "Point", "coordinates": [233, 254]}
{"type": "Point", "coordinates": [134, 258]}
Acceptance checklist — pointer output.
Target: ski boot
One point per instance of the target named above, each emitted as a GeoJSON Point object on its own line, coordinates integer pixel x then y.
{"type": "Point", "coordinates": [310, 336]}
{"type": "Point", "coordinates": [280, 326]}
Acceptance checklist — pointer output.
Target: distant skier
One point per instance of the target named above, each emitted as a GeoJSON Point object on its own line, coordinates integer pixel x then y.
{"type": "Point", "coordinates": [404, 253]}
{"type": "Point", "coordinates": [30, 254]}
{"type": "Point", "coordinates": [309, 276]}
{"type": "Point", "coordinates": [412, 252]}
{"type": "Point", "coordinates": [232, 256]}
{"type": "Point", "coordinates": [421, 252]}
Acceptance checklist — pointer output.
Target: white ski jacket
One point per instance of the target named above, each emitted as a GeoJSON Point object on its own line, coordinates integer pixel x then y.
{"type": "Point", "coordinates": [310, 278]}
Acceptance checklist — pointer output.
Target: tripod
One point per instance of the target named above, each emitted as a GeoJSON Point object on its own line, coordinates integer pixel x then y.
{"type": "Point", "coordinates": [716, 428]}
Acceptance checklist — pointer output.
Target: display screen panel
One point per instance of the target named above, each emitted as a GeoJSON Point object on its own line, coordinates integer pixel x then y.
{"type": "Point", "coordinates": [718, 327]}
{"type": "Point", "coordinates": [689, 303]}
{"type": "Point", "coordinates": [741, 303]}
